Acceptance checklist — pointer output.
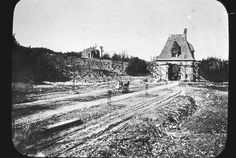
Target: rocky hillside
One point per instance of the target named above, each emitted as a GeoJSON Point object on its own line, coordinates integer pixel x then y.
{"type": "Point", "coordinates": [36, 65]}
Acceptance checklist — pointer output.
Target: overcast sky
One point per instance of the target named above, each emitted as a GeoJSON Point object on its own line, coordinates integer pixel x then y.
{"type": "Point", "coordinates": [140, 27]}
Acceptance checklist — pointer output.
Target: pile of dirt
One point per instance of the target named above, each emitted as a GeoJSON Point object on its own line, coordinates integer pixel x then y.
{"type": "Point", "coordinates": [167, 135]}
{"type": "Point", "coordinates": [146, 137]}
{"type": "Point", "coordinates": [212, 118]}
{"type": "Point", "coordinates": [180, 109]}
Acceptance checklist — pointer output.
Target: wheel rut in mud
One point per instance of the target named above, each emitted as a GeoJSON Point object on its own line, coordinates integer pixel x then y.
{"type": "Point", "coordinates": [160, 122]}
{"type": "Point", "coordinates": [106, 125]}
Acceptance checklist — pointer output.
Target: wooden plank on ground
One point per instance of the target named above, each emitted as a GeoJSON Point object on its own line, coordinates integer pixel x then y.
{"type": "Point", "coordinates": [64, 124]}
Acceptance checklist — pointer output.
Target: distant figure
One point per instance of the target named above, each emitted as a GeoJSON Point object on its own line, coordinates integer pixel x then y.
{"type": "Point", "coordinates": [146, 88]}
{"type": "Point", "coordinates": [186, 77]}
{"type": "Point", "coordinates": [122, 87]}
{"type": "Point", "coordinates": [126, 87]}
{"type": "Point", "coordinates": [121, 83]}
{"type": "Point", "coordinates": [118, 86]}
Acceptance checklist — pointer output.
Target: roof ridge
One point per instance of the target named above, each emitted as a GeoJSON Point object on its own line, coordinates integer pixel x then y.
{"type": "Point", "coordinates": [187, 50]}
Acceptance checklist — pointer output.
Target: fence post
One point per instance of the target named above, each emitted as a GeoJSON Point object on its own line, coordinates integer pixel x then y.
{"type": "Point", "coordinates": [109, 92]}
{"type": "Point", "coordinates": [73, 85]}
{"type": "Point", "coordinates": [146, 88]}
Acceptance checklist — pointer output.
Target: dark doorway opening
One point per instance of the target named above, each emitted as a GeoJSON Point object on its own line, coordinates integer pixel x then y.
{"type": "Point", "coordinates": [173, 72]}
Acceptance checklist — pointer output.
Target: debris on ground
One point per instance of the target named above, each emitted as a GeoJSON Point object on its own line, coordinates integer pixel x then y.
{"type": "Point", "coordinates": [185, 120]}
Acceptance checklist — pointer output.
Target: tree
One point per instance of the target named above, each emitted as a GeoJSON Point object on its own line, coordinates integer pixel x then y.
{"type": "Point", "coordinates": [96, 53]}
{"type": "Point", "coordinates": [124, 56]}
{"type": "Point", "coordinates": [116, 56]}
{"type": "Point", "coordinates": [101, 50]}
{"type": "Point", "coordinates": [137, 67]}
{"type": "Point", "coordinates": [106, 56]}
{"type": "Point", "coordinates": [214, 69]}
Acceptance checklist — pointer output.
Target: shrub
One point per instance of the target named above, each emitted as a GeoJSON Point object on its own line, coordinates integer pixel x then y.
{"type": "Point", "coordinates": [137, 67]}
{"type": "Point", "coordinates": [106, 56]}
{"type": "Point", "coordinates": [116, 56]}
{"type": "Point", "coordinates": [214, 69]}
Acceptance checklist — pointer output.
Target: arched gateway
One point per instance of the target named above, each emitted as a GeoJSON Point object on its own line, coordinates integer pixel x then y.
{"type": "Point", "coordinates": [176, 61]}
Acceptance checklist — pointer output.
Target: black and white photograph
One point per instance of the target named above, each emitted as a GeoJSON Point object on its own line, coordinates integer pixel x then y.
{"type": "Point", "coordinates": [120, 78]}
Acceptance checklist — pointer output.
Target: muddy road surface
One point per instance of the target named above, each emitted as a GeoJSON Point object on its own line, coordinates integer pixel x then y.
{"type": "Point", "coordinates": [159, 121]}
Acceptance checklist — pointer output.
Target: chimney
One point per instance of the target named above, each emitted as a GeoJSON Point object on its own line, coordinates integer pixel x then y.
{"type": "Point", "coordinates": [185, 33]}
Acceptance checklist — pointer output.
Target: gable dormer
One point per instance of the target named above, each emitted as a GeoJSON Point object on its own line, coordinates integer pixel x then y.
{"type": "Point", "coordinates": [175, 50]}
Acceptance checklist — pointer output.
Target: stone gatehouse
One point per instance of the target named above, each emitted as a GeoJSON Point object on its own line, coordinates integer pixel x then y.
{"type": "Point", "coordinates": [176, 60]}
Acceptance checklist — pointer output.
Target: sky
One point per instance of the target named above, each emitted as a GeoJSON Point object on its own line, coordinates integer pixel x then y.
{"type": "Point", "coordinates": [138, 27]}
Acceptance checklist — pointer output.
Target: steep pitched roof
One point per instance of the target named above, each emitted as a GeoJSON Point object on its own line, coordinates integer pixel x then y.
{"type": "Point", "coordinates": [187, 50]}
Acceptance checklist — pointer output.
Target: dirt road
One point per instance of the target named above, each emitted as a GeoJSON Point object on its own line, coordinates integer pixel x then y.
{"type": "Point", "coordinates": [96, 130]}
{"type": "Point", "coordinates": [98, 123]}
{"type": "Point", "coordinates": [71, 104]}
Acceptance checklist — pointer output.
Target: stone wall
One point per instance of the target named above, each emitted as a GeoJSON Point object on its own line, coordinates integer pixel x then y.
{"type": "Point", "coordinates": [160, 70]}
{"type": "Point", "coordinates": [186, 73]}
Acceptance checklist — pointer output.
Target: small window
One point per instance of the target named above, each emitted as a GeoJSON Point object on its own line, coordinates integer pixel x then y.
{"type": "Point", "coordinates": [175, 50]}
